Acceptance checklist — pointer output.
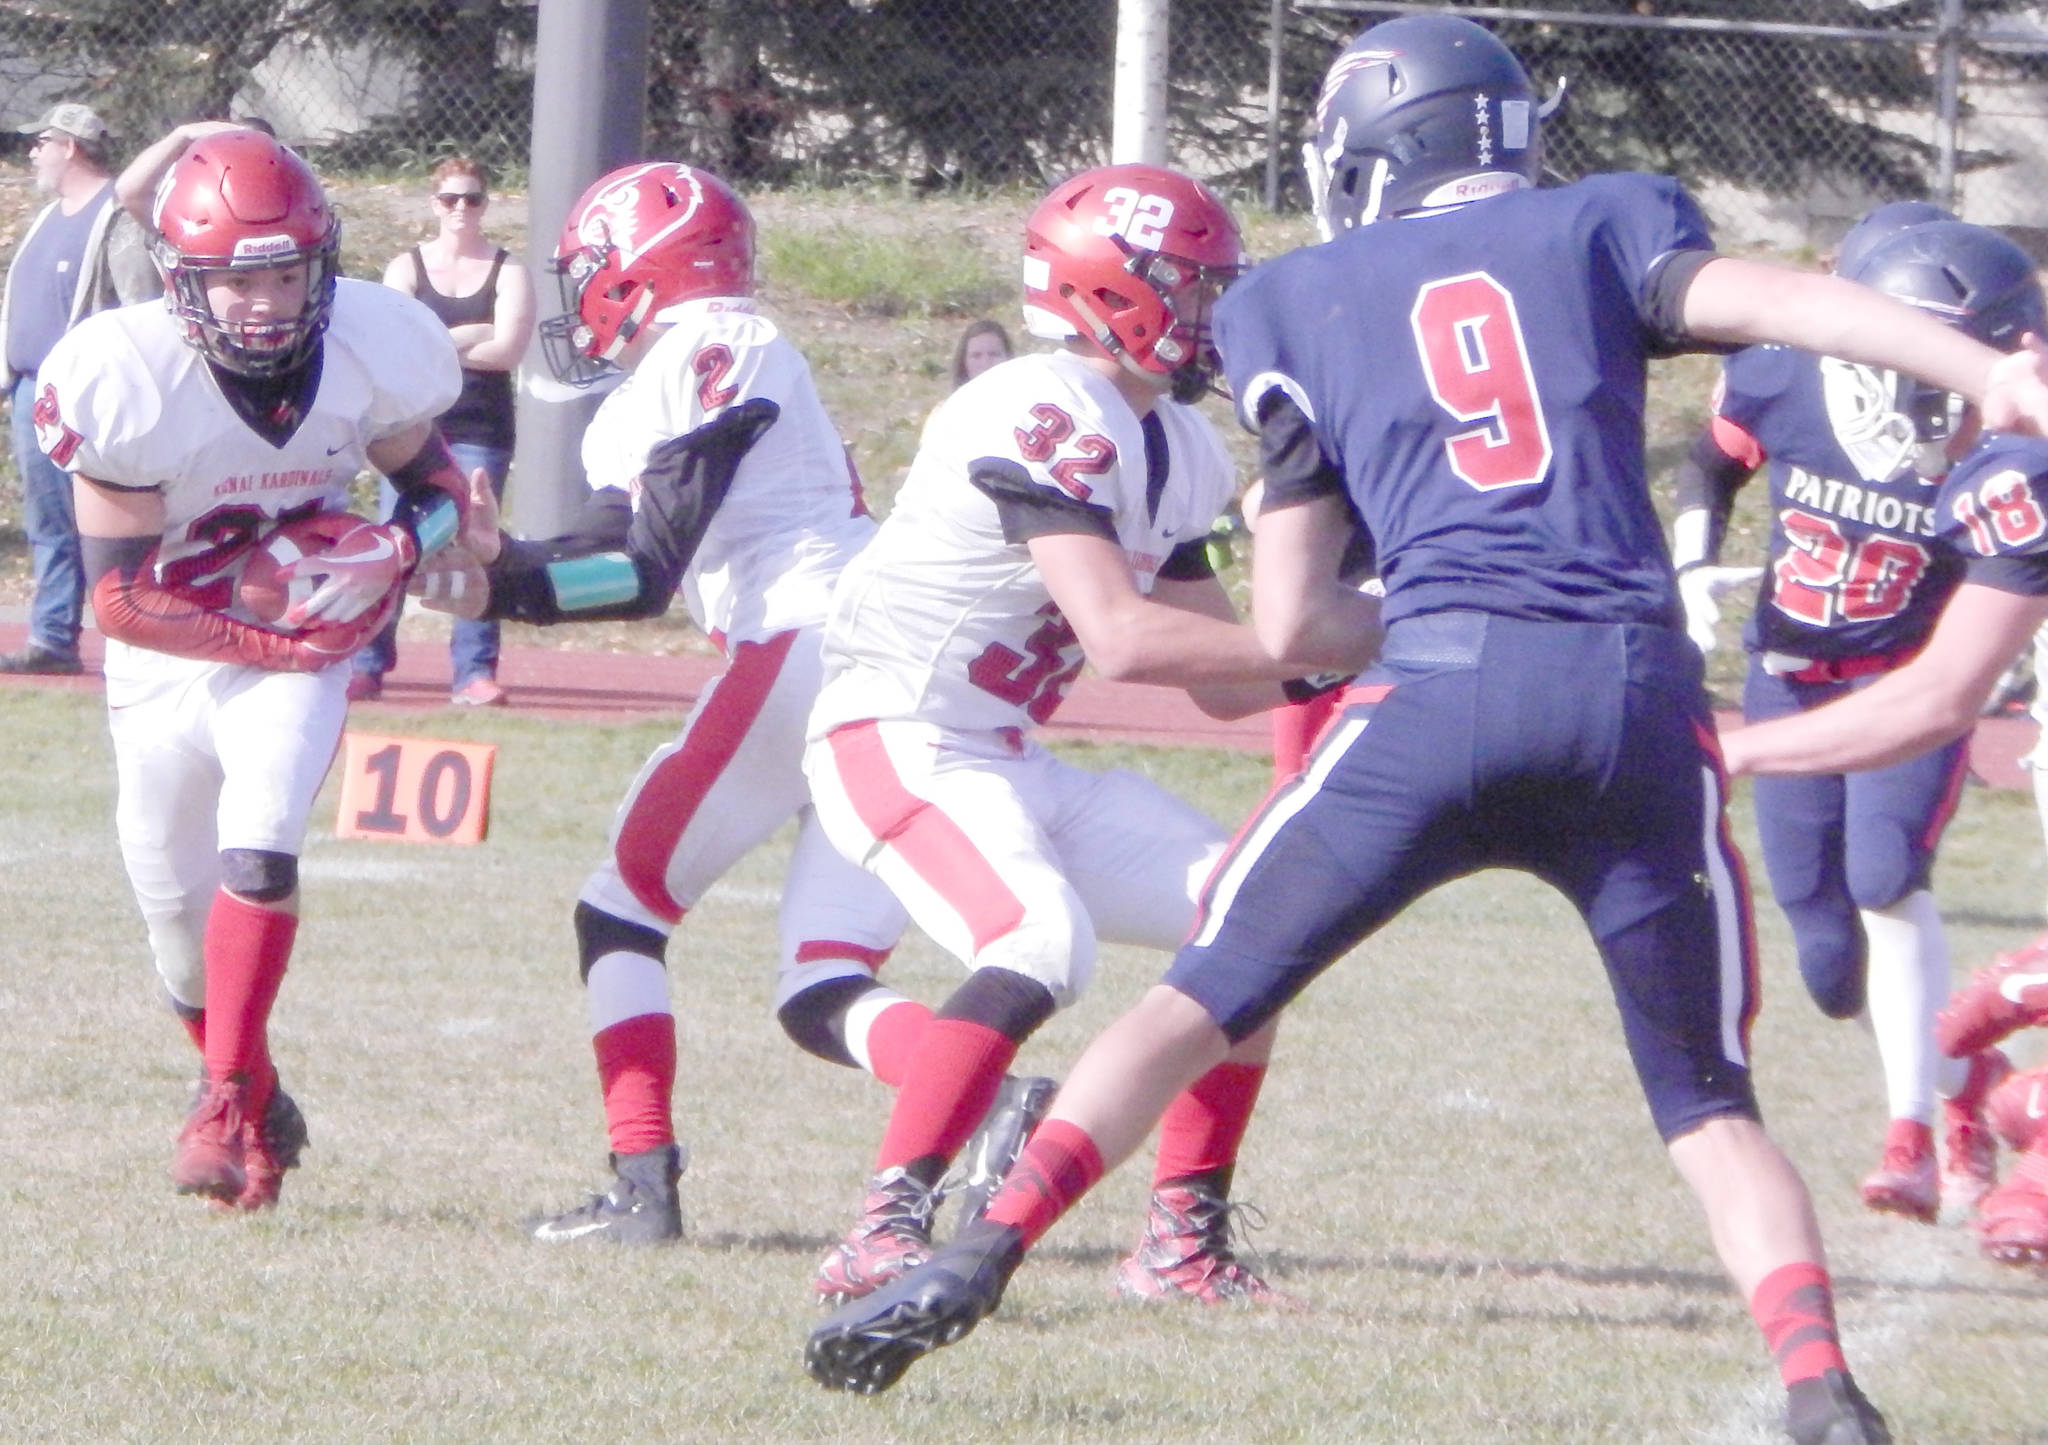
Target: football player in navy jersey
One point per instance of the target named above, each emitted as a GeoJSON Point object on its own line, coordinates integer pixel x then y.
{"type": "Point", "coordinates": [1853, 587]}
{"type": "Point", "coordinates": [1992, 512]}
{"type": "Point", "coordinates": [1460, 372]}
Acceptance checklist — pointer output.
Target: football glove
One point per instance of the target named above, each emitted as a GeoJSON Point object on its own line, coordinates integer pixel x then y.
{"type": "Point", "coordinates": [1700, 589]}
{"type": "Point", "coordinates": [358, 573]}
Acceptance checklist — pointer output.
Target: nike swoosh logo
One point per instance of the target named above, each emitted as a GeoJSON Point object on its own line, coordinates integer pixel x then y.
{"type": "Point", "coordinates": [385, 549]}
{"type": "Point", "coordinates": [552, 1232]}
{"type": "Point", "coordinates": [337, 451]}
{"type": "Point", "coordinates": [2009, 988]}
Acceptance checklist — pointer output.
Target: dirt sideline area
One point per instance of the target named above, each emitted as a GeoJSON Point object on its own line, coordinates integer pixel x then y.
{"type": "Point", "coordinates": [613, 686]}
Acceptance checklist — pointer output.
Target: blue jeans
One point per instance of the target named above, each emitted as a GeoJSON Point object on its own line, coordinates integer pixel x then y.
{"type": "Point", "coordinates": [472, 646]}
{"type": "Point", "coordinates": [50, 522]}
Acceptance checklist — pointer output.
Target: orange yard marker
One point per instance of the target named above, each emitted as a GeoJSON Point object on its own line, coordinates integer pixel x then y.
{"type": "Point", "coordinates": [414, 790]}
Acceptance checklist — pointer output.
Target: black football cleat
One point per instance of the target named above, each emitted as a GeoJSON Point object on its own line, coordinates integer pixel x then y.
{"type": "Point", "coordinates": [865, 1346]}
{"type": "Point", "coordinates": [1830, 1410]}
{"type": "Point", "coordinates": [1011, 1120]}
{"type": "Point", "coordinates": [643, 1206]}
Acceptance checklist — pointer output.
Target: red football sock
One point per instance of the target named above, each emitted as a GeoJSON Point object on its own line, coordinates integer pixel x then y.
{"type": "Point", "coordinates": [246, 947]}
{"type": "Point", "coordinates": [1058, 1166]}
{"type": "Point", "coordinates": [1795, 1308]}
{"type": "Point", "coordinates": [952, 1078]}
{"type": "Point", "coordinates": [1203, 1127]}
{"type": "Point", "coordinates": [892, 1040]}
{"type": "Point", "coordinates": [636, 1068]}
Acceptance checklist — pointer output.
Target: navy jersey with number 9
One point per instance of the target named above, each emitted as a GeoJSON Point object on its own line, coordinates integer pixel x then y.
{"type": "Point", "coordinates": [1484, 401]}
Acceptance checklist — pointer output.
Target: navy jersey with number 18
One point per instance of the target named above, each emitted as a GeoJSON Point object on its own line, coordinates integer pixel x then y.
{"type": "Point", "coordinates": [1483, 400]}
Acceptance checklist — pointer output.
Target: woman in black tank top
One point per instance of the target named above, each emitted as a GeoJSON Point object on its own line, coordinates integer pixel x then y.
{"type": "Point", "coordinates": [485, 298]}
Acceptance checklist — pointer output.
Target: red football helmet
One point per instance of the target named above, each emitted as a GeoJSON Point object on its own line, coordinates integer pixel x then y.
{"type": "Point", "coordinates": [239, 201]}
{"type": "Point", "coordinates": [637, 242]}
{"type": "Point", "coordinates": [1132, 259]}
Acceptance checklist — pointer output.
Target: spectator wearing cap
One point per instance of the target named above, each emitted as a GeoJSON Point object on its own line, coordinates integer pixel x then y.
{"type": "Point", "coordinates": [81, 254]}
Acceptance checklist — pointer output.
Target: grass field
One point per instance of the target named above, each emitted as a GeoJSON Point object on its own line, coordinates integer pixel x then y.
{"type": "Point", "coordinates": [1456, 1173]}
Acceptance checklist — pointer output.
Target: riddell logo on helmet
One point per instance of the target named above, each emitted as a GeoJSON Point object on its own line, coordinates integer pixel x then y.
{"type": "Point", "coordinates": [259, 248]}
{"type": "Point", "coordinates": [613, 217]}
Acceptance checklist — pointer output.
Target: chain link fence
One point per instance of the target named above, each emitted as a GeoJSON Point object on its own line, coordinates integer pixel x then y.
{"type": "Point", "coordinates": [1788, 116]}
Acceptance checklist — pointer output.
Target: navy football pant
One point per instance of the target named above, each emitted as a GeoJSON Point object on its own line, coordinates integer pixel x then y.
{"type": "Point", "coordinates": [1845, 841]}
{"type": "Point", "coordinates": [1576, 752]}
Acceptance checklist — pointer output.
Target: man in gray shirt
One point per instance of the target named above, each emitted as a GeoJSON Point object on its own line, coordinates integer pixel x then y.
{"type": "Point", "coordinates": [81, 254]}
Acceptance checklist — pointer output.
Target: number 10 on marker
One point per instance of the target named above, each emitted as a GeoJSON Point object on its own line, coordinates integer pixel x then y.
{"type": "Point", "coordinates": [417, 790]}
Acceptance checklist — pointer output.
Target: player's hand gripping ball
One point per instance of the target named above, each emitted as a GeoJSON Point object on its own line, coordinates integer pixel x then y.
{"type": "Point", "coordinates": [266, 589]}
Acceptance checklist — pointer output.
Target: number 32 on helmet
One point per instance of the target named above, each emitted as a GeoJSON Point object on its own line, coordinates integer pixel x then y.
{"type": "Point", "coordinates": [1129, 261]}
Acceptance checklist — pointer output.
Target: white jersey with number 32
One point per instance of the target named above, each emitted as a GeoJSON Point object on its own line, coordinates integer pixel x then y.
{"type": "Point", "coordinates": [794, 513]}
{"type": "Point", "coordinates": [941, 618]}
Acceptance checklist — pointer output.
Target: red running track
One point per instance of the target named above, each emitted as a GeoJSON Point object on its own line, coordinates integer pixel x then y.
{"type": "Point", "coordinates": [616, 686]}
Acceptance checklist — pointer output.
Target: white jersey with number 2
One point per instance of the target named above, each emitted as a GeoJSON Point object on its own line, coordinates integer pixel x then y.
{"type": "Point", "coordinates": [794, 513]}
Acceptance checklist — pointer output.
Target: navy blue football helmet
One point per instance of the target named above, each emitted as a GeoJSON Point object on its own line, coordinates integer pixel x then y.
{"type": "Point", "coordinates": [1880, 225]}
{"type": "Point", "coordinates": [1426, 110]}
{"type": "Point", "coordinates": [1968, 276]}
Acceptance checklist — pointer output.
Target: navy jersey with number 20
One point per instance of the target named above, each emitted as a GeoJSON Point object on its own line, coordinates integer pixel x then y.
{"type": "Point", "coordinates": [1484, 400]}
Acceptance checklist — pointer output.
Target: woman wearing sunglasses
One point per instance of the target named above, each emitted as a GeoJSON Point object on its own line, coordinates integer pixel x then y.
{"type": "Point", "coordinates": [485, 298]}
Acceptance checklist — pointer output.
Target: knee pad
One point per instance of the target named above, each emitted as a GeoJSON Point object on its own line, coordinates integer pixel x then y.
{"type": "Point", "coordinates": [599, 933]}
{"type": "Point", "coordinates": [258, 874]}
{"type": "Point", "coordinates": [1832, 958]}
{"type": "Point", "coordinates": [1886, 866]}
{"type": "Point", "coordinates": [1834, 970]}
{"type": "Point", "coordinates": [1055, 951]}
{"type": "Point", "coordinates": [1011, 1004]}
{"type": "Point", "coordinates": [815, 1017]}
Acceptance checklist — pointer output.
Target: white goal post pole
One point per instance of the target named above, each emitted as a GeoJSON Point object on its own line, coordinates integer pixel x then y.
{"type": "Point", "coordinates": [1138, 115]}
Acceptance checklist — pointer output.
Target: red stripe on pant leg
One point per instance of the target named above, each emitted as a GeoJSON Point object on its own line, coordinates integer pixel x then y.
{"type": "Point", "coordinates": [824, 950]}
{"type": "Point", "coordinates": [246, 949]}
{"type": "Point", "coordinates": [663, 808]}
{"type": "Point", "coordinates": [934, 846]}
{"type": "Point", "coordinates": [1951, 798]}
{"type": "Point", "coordinates": [636, 1068]}
{"type": "Point", "coordinates": [1204, 1126]}
{"type": "Point", "coordinates": [953, 1078]}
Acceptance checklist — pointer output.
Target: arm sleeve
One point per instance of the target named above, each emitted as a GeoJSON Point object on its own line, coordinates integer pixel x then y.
{"type": "Point", "coordinates": [1671, 276]}
{"type": "Point", "coordinates": [586, 575]}
{"type": "Point", "coordinates": [1706, 483]}
{"type": "Point", "coordinates": [1291, 459]}
{"type": "Point", "coordinates": [1029, 510]}
{"type": "Point", "coordinates": [132, 606]}
{"type": "Point", "coordinates": [625, 561]}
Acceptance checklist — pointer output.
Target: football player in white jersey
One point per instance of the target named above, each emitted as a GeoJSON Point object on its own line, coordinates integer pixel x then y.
{"type": "Point", "coordinates": [250, 399]}
{"type": "Point", "coordinates": [715, 470]}
{"type": "Point", "coordinates": [1057, 514]}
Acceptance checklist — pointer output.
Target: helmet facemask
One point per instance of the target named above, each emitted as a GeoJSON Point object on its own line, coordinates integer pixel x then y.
{"type": "Point", "coordinates": [266, 348]}
{"type": "Point", "coordinates": [1187, 291]}
{"type": "Point", "coordinates": [568, 343]}
{"type": "Point", "coordinates": [1887, 422]}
